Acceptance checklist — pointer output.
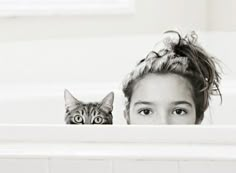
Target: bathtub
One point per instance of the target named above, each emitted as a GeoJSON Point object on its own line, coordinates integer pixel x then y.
{"type": "Point", "coordinates": [118, 148]}
{"type": "Point", "coordinates": [34, 138]}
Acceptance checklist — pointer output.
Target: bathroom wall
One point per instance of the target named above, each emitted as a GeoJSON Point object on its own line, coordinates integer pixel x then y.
{"type": "Point", "coordinates": [150, 16]}
{"type": "Point", "coordinates": [221, 15]}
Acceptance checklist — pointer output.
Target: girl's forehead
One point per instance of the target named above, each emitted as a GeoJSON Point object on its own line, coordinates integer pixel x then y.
{"type": "Point", "coordinates": [162, 87]}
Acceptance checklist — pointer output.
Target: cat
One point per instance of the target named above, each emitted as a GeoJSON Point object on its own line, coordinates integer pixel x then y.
{"type": "Point", "coordinates": [79, 113]}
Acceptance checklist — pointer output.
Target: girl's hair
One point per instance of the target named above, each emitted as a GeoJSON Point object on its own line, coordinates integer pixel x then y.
{"type": "Point", "coordinates": [182, 56]}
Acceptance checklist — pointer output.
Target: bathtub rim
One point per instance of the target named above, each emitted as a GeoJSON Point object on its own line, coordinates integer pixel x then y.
{"type": "Point", "coordinates": [44, 141]}
{"type": "Point", "coordinates": [164, 134]}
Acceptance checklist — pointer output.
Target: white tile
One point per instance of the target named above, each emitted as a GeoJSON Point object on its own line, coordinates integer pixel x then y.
{"type": "Point", "coordinates": [144, 166]}
{"type": "Point", "coordinates": [207, 166]}
{"type": "Point", "coordinates": [194, 166]}
{"type": "Point", "coordinates": [83, 166]}
{"type": "Point", "coordinates": [223, 166]}
{"type": "Point", "coordinates": [24, 165]}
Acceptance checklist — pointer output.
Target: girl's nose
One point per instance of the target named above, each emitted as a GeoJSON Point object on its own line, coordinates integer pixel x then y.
{"type": "Point", "coordinates": [163, 118]}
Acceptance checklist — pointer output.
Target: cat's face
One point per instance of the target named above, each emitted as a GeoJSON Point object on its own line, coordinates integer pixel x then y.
{"type": "Point", "coordinates": [78, 112]}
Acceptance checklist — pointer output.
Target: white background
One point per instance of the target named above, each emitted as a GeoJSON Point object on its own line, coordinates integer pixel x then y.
{"type": "Point", "coordinates": [90, 54]}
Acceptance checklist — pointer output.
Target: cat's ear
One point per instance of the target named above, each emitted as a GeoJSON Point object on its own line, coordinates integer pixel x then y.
{"type": "Point", "coordinates": [107, 102]}
{"type": "Point", "coordinates": [70, 100]}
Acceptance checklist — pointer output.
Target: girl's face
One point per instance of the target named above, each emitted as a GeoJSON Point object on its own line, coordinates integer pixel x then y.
{"type": "Point", "coordinates": [162, 99]}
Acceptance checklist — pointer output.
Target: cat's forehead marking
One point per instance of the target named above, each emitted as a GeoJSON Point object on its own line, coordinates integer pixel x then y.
{"type": "Point", "coordinates": [87, 107]}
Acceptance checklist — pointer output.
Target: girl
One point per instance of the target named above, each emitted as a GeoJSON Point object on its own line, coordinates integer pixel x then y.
{"type": "Point", "coordinates": [173, 84]}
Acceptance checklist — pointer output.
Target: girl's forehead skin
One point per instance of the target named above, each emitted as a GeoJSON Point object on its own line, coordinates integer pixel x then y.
{"type": "Point", "coordinates": [162, 88]}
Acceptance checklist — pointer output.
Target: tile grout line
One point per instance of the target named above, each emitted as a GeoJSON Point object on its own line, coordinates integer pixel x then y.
{"type": "Point", "coordinates": [112, 168]}
{"type": "Point", "coordinates": [178, 167]}
{"type": "Point", "coordinates": [49, 165]}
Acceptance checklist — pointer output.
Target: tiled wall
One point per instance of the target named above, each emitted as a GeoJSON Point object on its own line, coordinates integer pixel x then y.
{"type": "Point", "coordinates": [113, 166]}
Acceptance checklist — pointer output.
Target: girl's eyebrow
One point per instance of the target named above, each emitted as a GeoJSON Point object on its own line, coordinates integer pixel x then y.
{"type": "Point", "coordinates": [182, 102]}
{"type": "Point", "coordinates": [143, 103]}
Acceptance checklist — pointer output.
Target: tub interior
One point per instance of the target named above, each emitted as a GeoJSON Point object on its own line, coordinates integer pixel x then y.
{"type": "Point", "coordinates": [44, 104]}
{"type": "Point", "coordinates": [34, 74]}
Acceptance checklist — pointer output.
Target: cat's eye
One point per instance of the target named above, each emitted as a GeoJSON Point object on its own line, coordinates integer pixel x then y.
{"type": "Point", "coordinates": [78, 119]}
{"type": "Point", "coordinates": [98, 120]}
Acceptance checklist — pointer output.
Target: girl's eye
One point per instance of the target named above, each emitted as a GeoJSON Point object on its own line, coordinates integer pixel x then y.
{"type": "Point", "coordinates": [78, 119]}
{"type": "Point", "coordinates": [145, 112]}
{"type": "Point", "coordinates": [98, 120]}
{"type": "Point", "coordinates": [179, 112]}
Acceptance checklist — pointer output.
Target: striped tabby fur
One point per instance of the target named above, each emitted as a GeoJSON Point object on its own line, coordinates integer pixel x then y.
{"type": "Point", "coordinates": [78, 112]}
